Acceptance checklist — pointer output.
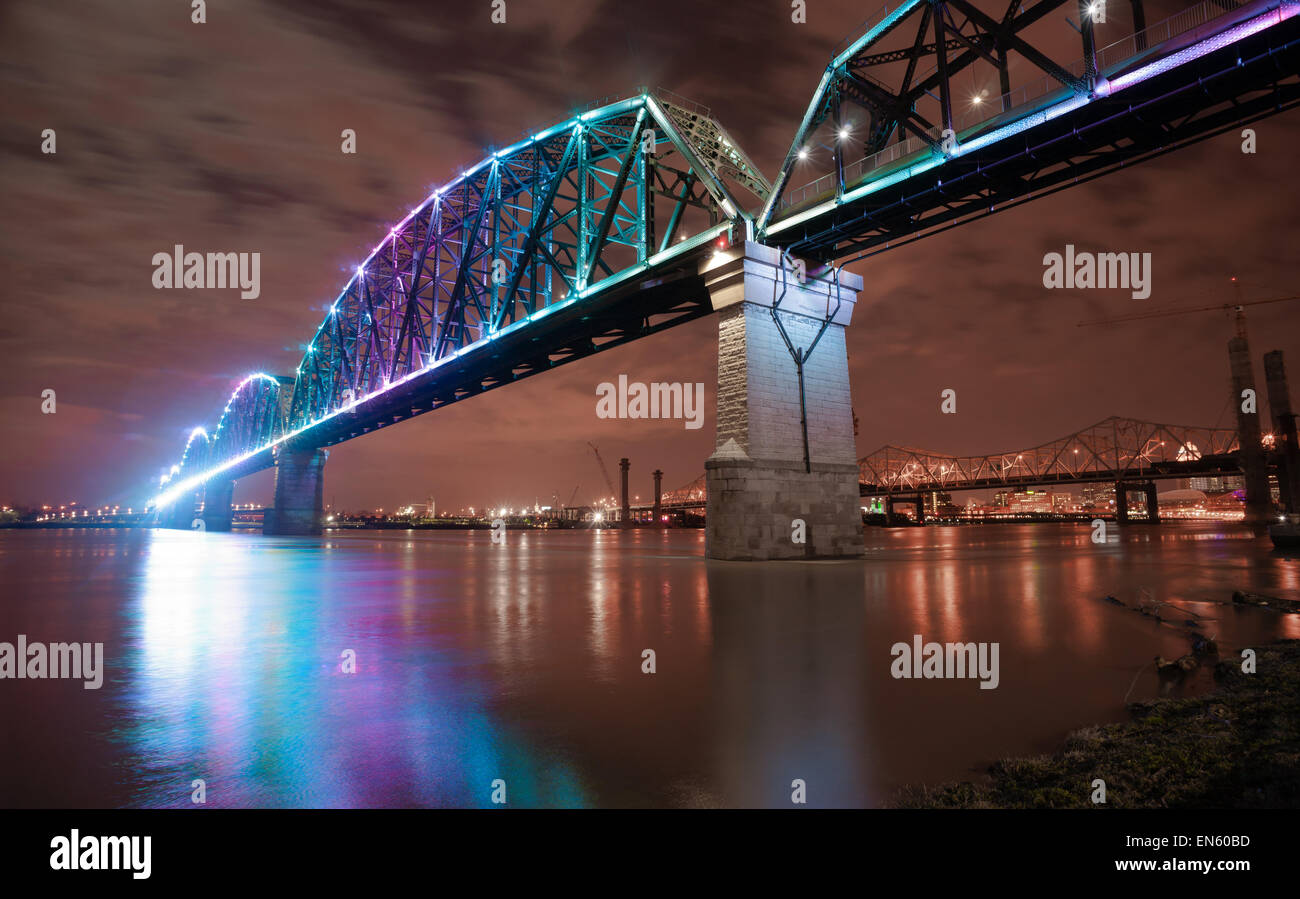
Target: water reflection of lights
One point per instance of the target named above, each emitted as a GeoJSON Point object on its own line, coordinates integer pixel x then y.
{"type": "Point", "coordinates": [233, 675]}
{"type": "Point", "coordinates": [183, 571]}
{"type": "Point", "coordinates": [603, 608]}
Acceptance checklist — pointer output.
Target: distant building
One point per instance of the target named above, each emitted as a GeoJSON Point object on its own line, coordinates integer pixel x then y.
{"type": "Point", "coordinates": [1186, 502]}
{"type": "Point", "coordinates": [938, 503]}
{"type": "Point", "coordinates": [1027, 502]}
{"type": "Point", "coordinates": [1094, 495]}
{"type": "Point", "coordinates": [1217, 483]}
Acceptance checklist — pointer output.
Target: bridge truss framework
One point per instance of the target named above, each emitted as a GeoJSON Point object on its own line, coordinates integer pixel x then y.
{"type": "Point", "coordinates": [1115, 449]}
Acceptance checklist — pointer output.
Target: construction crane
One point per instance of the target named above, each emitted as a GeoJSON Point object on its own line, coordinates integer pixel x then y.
{"type": "Point", "coordinates": [613, 491]}
{"type": "Point", "coordinates": [1246, 429]}
{"type": "Point", "coordinates": [556, 497]}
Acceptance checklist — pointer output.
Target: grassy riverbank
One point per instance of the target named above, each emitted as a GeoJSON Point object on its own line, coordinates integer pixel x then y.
{"type": "Point", "coordinates": [1235, 747]}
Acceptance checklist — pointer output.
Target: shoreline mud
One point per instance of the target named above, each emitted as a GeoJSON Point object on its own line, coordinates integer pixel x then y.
{"type": "Point", "coordinates": [1237, 746]}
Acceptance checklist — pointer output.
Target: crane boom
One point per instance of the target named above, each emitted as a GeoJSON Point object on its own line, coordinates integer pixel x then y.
{"type": "Point", "coordinates": [613, 491]}
{"type": "Point", "coordinates": [1158, 313]}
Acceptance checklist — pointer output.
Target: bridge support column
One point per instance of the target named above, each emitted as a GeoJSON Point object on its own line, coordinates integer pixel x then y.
{"type": "Point", "coordinates": [1121, 503]}
{"type": "Point", "coordinates": [1258, 502]}
{"type": "Point", "coordinates": [180, 515]}
{"type": "Point", "coordinates": [785, 447]}
{"type": "Point", "coordinates": [217, 498]}
{"type": "Point", "coordinates": [920, 508]}
{"type": "Point", "coordinates": [1153, 503]}
{"type": "Point", "coordinates": [1279, 404]}
{"type": "Point", "coordinates": [299, 508]}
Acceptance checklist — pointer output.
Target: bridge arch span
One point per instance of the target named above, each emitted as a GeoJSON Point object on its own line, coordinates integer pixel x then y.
{"type": "Point", "coordinates": [567, 217]}
{"type": "Point", "coordinates": [253, 417]}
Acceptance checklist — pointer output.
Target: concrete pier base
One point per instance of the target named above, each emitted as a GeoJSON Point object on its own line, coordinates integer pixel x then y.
{"type": "Point", "coordinates": [1153, 503]}
{"type": "Point", "coordinates": [180, 515]}
{"type": "Point", "coordinates": [770, 495]}
{"type": "Point", "coordinates": [753, 504]}
{"type": "Point", "coordinates": [299, 508]}
{"type": "Point", "coordinates": [217, 498]}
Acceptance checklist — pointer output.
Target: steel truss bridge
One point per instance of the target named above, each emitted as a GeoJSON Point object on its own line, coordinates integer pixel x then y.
{"type": "Point", "coordinates": [599, 230]}
{"type": "Point", "coordinates": [1113, 450]}
{"type": "Point", "coordinates": [947, 138]}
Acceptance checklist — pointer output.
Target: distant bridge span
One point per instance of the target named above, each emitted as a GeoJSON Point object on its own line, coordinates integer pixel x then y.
{"type": "Point", "coordinates": [1115, 449]}
{"type": "Point", "coordinates": [1112, 450]}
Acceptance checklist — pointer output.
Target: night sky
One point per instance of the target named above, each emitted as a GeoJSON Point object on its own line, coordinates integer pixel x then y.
{"type": "Point", "coordinates": [225, 137]}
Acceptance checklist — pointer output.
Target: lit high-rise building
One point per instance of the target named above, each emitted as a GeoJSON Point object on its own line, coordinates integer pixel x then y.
{"type": "Point", "coordinates": [1096, 495]}
{"type": "Point", "coordinates": [1030, 502]}
{"type": "Point", "coordinates": [1217, 483]}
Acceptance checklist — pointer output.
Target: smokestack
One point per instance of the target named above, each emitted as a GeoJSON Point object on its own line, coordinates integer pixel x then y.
{"type": "Point", "coordinates": [1251, 454]}
{"type": "Point", "coordinates": [1284, 430]}
{"type": "Point", "coordinates": [659, 479]}
{"type": "Point", "coordinates": [623, 466]}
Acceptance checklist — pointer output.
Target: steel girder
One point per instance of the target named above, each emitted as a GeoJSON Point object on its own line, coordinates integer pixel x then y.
{"type": "Point", "coordinates": [543, 222]}
{"type": "Point", "coordinates": [252, 417]}
{"type": "Point", "coordinates": [564, 217]}
{"type": "Point", "coordinates": [892, 88]}
{"type": "Point", "coordinates": [693, 494]}
{"type": "Point", "coordinates": [1214, 66]}
{"type": "Point", "coordinates": [1111, 450]}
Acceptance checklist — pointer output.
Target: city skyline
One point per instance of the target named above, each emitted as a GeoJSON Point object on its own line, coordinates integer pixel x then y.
{"type": "Point", "coordinates": [1224, 492]}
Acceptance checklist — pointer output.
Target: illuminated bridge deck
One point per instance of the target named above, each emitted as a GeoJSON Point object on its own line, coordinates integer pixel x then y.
{"type": "Point", "coordinates": [1195, 75]}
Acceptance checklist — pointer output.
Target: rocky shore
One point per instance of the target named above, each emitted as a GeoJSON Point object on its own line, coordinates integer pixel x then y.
{"type": "Point", "coordinates": [1235, 747]}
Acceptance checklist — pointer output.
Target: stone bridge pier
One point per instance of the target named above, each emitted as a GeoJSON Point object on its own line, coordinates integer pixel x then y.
{"type": "Point", "coordinates": [299, 508]}
{"type": "Point", "coordinates": [218, 495]}
{"type": "Point", "coordinates": [1149, 495]}
{"type": "Point", "coordinates": [785, 450]}
{"type": "Point", "coordinates": [180, 515]}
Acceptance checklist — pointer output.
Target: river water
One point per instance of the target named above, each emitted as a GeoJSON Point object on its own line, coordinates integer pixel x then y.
{"type": "Point", "coordinates": [224, 659]}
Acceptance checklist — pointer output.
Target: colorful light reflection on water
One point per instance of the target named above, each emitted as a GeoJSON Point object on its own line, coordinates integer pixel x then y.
{"type": "Point", "coordinates": [524, 662]}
